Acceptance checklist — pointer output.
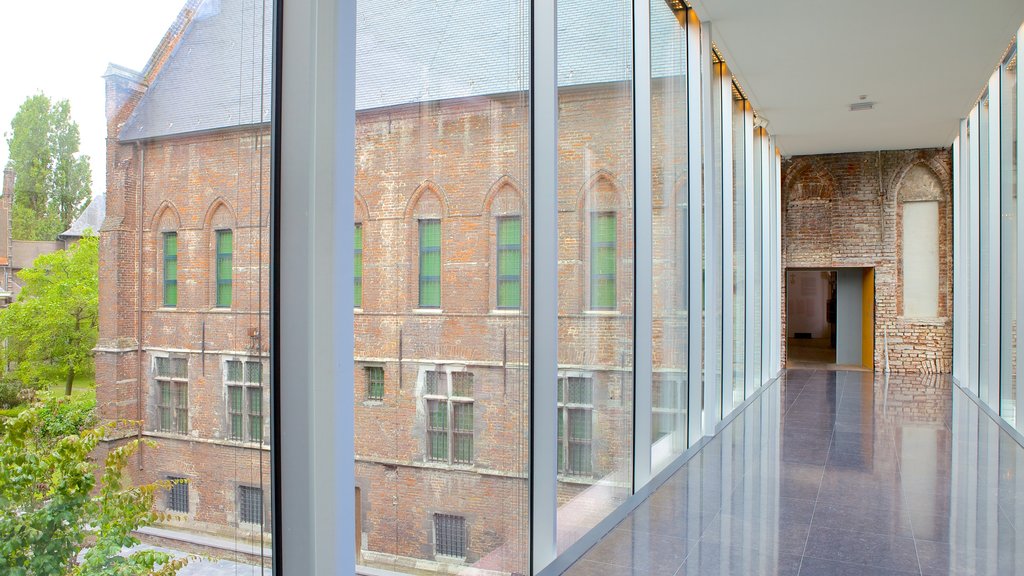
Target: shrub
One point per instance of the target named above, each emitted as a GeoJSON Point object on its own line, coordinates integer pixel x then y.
{"type": "Point", "coordinates": [10, 389]}
{"type": "Point", "coordinates": [63, 416]}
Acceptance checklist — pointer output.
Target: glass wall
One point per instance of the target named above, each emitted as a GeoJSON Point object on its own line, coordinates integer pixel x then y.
{"type": "Point", "coordinates": [139, 205]}
{"type": "Point", "coordinates": [596, 255]}
{"type": "Point", "coordinates": [441, 384]}
{"type": "Point", "coordinates": [1008, 121]}
{"type": "Point", "coordinates": [741, 136]}
{"type": "Point", "coordinates": [987, 227]}
{"type": "Point", "coordinates": [669, 131]}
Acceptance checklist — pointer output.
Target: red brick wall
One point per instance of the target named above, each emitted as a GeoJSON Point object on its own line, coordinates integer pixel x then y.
{"type": "Point", "coordinates": [845, 210]}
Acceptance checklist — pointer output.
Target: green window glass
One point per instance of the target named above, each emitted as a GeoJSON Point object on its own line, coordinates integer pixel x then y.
{"type": "Point", "coordinates": [510, 262]}
{"type": "Point", "coordinates": [170, 268]}
{"type": "Point", "coordinates": [224, 250]}
{"type": "Point", "coordinates": [235, 410]}
{"type": "Point", "coordinates": [358, 272]}
{"type": "Point", "coordinates": [255, 414]}
{"type": "Point", "coordinates": [375, 382]}
{"type": "Point", "coordinates": [181, 406]}
{"type": "Point", "coordinates": [463, 432]}
{"type": "Point", "coordinates": [430, 264]}
{"type": "Point", "coordinates": [437, 430]}
{"type": "Point", "coordinates": [602, 261]}
{"type": "Point", "coordinates": [166, 420]}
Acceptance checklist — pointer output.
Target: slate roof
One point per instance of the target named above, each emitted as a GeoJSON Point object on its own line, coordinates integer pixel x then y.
{"type": "Point", "coordinates": [91, 218]}
{"type": "Point", "coordinates": [407, 52]}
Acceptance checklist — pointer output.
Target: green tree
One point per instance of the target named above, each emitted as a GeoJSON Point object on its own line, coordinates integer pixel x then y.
{"type": "Point", "coordinates": [52, 182]}
{"type": "Point", "coordinates": [51, 328]}
{"type": "Point", "coordinates": [51, 509]}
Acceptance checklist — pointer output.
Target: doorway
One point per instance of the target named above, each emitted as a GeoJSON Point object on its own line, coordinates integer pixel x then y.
{"type": "Point", "coordinates": [830, 318]}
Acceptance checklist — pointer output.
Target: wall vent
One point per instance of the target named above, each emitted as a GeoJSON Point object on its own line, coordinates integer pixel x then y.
{"type": "Point", "coordinates": [858, 106]}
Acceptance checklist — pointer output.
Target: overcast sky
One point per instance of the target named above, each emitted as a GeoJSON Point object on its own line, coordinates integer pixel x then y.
{"type": "Point", "coordinates": [62, 48]}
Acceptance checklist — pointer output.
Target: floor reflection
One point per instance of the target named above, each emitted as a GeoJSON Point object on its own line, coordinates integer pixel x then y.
{"type": "Point", "coordinates": [836, 473]}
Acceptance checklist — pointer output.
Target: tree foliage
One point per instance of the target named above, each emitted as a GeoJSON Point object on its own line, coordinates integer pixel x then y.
{"type": "Point", "coordinates": [51, 328]}
{"type": "Point", "coordinates": [52, 182]}
{"type": "Point", "coordinates": [51, 509]}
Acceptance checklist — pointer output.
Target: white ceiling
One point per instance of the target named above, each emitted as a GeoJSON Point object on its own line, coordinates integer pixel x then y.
{"type": "Point", "coordinates": [803, 62]}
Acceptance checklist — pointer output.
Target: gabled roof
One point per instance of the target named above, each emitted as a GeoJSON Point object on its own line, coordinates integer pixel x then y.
{"type": "Point", "coordinates": [90, 219]}
{"type": "Point", "coordinates": [219, 76]}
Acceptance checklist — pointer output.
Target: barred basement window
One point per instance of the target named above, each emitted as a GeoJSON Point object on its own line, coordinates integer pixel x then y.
{"type": "Point", "coordinates": [245, 400]}
{"type": "Point", "coordinates": [375, 382]}
{"type": "Point", "coordinates": [449, 416]}
{"type": "Point", "coordinates": [575, 425]}
{"type": "Point", "coordinates": [450, 535]}
{"type": "Point", "coordinates": [177, 496]}
{"type": "Point", "coordinates": [250, 505]}
{"type": "Point", "coordinates": [172, 394]}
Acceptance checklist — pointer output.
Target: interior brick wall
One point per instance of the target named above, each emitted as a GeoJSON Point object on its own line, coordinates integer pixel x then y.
{"type": "Point", "coordinates": [846, 210]}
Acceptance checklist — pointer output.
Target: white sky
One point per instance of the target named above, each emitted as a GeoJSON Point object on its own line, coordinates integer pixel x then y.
{"type": "Point", "coordinates": [62, 48]}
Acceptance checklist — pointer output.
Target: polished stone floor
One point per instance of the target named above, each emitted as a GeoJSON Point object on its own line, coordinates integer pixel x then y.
{"type": "Point", "coordinates": [836, 473]}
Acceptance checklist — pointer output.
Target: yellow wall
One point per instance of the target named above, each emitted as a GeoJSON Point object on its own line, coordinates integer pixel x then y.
{"type": "Point", "coordinates": [867, 325]}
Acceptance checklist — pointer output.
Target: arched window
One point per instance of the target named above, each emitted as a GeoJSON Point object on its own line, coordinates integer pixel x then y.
{"type": "Point", "coordinates": [167, 240]}
{"type": "Point", "coordinates": [221, 223]}
{"type": "Point", "coordinates": [426, 211]}
{"type": "Point", "coordinates": [503, 209]}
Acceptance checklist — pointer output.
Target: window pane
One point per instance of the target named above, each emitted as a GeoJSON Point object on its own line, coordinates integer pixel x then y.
{"type": "Point", "coordinates": [253, 372]}
{"type": "Point", "coordinates": [988, 309]}
{"type": "Point", "coordinates": [595, 257]}
{"type": "Point", "coordinates": [183, 156]}
{"type": "Point", "coordinates": [740, 136]}
{"type": "Point", "coordinates": [234, 371]}
{"type": "Point", "coordinates": [358, 264]}
{"type": "Point", "coordinates": [442, 194]}
{"type": "Point", "coordinates": [1008, 225]}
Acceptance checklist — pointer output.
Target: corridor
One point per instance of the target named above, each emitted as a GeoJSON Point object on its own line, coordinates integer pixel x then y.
{"type": "Point", "coordinates": [836, 473]}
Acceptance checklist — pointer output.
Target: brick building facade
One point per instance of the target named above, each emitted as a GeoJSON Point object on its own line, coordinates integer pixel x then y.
{"type": "Point", "coordinates": [847, 210]}
{"type": "Point", "coordinates": [441, 386]}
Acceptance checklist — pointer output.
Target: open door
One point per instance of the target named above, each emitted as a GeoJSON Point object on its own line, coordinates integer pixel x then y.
{"type": "Point", "coordinates": [867, 323]}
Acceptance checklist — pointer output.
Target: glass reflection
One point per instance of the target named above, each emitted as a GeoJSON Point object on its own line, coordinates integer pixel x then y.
{"type": "Point", "coordinates": [595, 284]}
{"type": "Point", "coordinates": [669, 391]}
{"type": "Point", "coordinates": [442, 222]}
{"type": "Point", "coordinates": [1008, 236]}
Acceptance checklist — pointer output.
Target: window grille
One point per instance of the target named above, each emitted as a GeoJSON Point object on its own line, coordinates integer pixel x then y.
{"type": "Point", "coordinates": [375, 382]}
{"type": "Point", "coordinates": [449, 416]}
{"type": "Point", "coordinates": [177, 496]}
{"type": "Point", "coordinates": [575, 425]}
{"type": "Point", "coordinates": [450, 535]}
{"type": "Point", "coordinates": [172, 394]}
{"type": "Point", "coordinates": [244, 381]}
{"type": "Point", "coordinates": [250, 504]}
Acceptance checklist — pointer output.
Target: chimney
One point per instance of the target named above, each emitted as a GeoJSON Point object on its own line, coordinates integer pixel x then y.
{"type": "Point", "coordinates": [8, 182]}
